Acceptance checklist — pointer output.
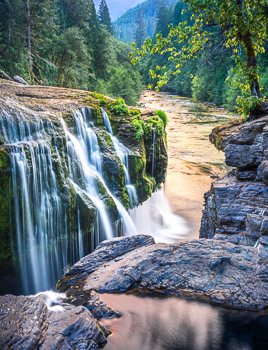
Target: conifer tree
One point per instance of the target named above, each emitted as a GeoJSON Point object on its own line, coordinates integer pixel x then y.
{"type": "Point", "coordinates": [162, 19]}
{"type": "Point", "coordinates": [140, 34]}
{"type": "Point", "coordinates": [104, 16]}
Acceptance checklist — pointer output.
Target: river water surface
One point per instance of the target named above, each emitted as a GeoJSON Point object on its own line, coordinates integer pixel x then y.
{"type": "Point", "coordinates": [192, 158]}
{"type": "Point", "coordinates": [169, 323]}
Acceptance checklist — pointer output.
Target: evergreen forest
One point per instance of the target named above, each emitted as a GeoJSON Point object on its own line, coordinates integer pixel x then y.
{"type": "Point", "coordinates": [66, 43]}
{"type": "Point", "coordinates": [70, 43]}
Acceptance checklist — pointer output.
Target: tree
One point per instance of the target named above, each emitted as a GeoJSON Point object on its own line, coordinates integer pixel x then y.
{"type": "Point", "coordinates": [40, 22]}
{"type": "Point", "coordinates": [72, 59]}
{"type": "Point", "coordinates": [140, 34]}
{"type": "Point", "coordinates": [162, 20]}
{"type": "Point", "coordinates": [104, 16]}
{"type": "Point", "coordinates": [240, 25]}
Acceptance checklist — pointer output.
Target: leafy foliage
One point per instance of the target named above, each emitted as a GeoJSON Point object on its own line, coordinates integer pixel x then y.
{"type": "Point", "coordinates": [210, 29]}
{"type": "Point", "coordinates": [144, 128]}
{"type": "Point", "coordinates": [163, 116]}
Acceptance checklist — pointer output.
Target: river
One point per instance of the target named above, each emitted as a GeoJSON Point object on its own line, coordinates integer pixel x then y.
{"type": "Point", "coordinates": [193, 160]}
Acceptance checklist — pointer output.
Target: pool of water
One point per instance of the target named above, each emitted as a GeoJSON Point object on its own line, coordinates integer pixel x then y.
{"type": "Point", "coordinates": [170, 323]}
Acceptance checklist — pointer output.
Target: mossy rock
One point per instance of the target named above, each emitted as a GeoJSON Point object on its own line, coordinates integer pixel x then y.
{"type": "Point", "coordinates": [87, 212]}
{"type": "Point", "coordinates": [104, 140]}
{"type": "Point", "coordinates": [68, 117]}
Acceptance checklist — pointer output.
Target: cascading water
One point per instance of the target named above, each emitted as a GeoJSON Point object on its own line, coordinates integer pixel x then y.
{"type": "Point", "coordinates": [44, 246]}
{"type": "Point", "coordinates": [40, 217]}
{"type": "Point", "coordinates": [154, 217]}
{"type": "Point", "coordinates": [87, 152]}
{"type": "Point", "coordinates": [123, 154]}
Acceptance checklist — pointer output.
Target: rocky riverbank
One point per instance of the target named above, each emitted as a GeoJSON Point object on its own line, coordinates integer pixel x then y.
{"type": "Point", "coordinates": [209, 270]}
{"type": "Point", "coordinates": [230, 269]}
{"type": "Point", "coordinates": [236, 207]}
{"type": "Point", "coordinates": [30, 323]}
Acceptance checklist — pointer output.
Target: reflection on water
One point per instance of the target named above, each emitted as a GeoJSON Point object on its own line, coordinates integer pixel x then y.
{"type": "Point", "coordinates": [156, 323]}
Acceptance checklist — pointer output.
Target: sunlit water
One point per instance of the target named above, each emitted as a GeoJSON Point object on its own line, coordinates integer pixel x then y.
{"type": "Point", "coordinates": [169, 323]}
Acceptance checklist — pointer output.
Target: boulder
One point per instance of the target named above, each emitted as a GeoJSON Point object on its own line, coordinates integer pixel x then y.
{"type": "Point", "coordinates": [212, 270]}
{"type": "Point", "coordinates": [28, 323]}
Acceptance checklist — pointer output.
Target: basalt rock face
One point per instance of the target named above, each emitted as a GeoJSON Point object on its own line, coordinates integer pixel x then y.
{"type": "Point", "coordinates": [27, 323]}
{"type": "Point", "coordinates": [237, 205]}
{"type": "Point", "coordinates": [44, 188]}
{"type": "Point", "coordinates": [211, 270]}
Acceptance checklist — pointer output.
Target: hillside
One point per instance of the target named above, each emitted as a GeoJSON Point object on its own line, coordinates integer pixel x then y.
{"type": "Point", "coordinates": [125, 25]}
{"type": "Point", "coordinates": [118, 7]}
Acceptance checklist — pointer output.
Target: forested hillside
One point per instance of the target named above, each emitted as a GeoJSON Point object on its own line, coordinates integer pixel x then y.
{"type": "Point", "coordinates": [125, 26]}
{"type": "Point", "coordinates": [202, 75]}
{"type": "Point", "coordinates": [65, 43]}
{"type": "Point", "coordinates": [119, 7]}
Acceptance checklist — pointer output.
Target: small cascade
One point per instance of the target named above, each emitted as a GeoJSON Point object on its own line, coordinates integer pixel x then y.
{"type": "Point", "coordinates": [153, 158]}
{"type": "Point", "coordinates": [123, 153]}
{"type": "Point", "coordinates": [154, 217]}
{"type": "Point", "coordinates": [85, 149]}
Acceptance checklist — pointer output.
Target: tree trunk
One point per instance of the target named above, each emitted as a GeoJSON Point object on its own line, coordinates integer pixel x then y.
{"type": "Point", "coordinates": [251, 65]}
{"type": "Point", "coordinates": [30, 58]}
{"type": "Point", "coordinates": [9, 25]}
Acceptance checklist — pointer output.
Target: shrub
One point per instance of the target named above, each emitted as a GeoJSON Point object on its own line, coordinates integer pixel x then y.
{"type": "Point", "coordinates": [163, 116]}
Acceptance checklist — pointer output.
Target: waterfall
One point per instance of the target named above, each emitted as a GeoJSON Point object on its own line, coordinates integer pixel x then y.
{"type": "Point", "coordinates": [123, 153]}
{"type": "Point", "coordinates": [154, 217]}
{"type": "Point", "coordinates": [84, 147]}
{"type": "Point", "coordinates": [51, 162]}
{"type": "Point", "coordinates": [39, 216]}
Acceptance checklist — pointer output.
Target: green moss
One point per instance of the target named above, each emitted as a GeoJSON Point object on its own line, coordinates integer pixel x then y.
{"type": "Point", "coordinates": [163, 116]}
{"type": "Point", "coordinates": [104, 140]}
{"type": "Point", "coordinates": [68, 118]}
{"type": "Point", "coordinates": [119, 107]}
{"type": "Point", "coordinates": [87, 212]}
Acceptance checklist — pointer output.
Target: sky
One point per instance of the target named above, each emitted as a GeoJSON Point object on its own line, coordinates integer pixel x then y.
{"type": "Point", "coordinates": [118, 7]}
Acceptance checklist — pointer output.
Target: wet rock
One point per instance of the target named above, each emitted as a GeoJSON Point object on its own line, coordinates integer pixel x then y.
{"type": "Point", "coordinates": [236, 204]}
{"type": "Point", "coordinates": [256, 225]}
{"type": "Point", "coordinates": [246, 174]}
{"type": "Point", "coordinates": [228, 204]}
{"type": "Point", "coordinates": [109, 250]}
{"type": "Point", "coordinates": [242, 156]}
{"type": "Point", "coordinates": [27, 323]}
{"type": "Point", "coordinates": [212, 270]}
